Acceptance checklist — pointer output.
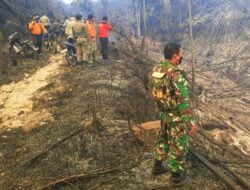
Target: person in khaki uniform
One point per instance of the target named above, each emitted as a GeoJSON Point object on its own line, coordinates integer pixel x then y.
{"type": "Point", "coordinates": [92, 38]}
{"type": "Point", "coordinates": [46, 22]}
{"type": "Point", "coordinates": [80, 33]}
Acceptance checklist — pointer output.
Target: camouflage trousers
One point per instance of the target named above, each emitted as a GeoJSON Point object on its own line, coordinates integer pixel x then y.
{"type": "Point", "coordinates": [172, 145]}
{"type": "Point", "coordinates": [92, 51]}
{"type": "Point", "coordinates": [82, 49]}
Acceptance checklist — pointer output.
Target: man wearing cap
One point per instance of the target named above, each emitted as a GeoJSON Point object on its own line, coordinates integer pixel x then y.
{"type": "Point", "coordinates": [69, 33]}
{"type": "Point", "coordinates": [80, 33]}
{"type": "Point", "coordinates": [46, 22]}
{"type": "Point", "coordinates": [104, 28]}
{"type": "Point", "coordinates": [37, 29]}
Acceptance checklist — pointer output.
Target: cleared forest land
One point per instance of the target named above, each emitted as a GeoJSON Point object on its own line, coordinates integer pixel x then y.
{"type": "Point", "coordinates": [77, 129]}
{"type": "Point", "coordinates": [62, 143]}
{"type": "Point", "coordinates": [67, 127]}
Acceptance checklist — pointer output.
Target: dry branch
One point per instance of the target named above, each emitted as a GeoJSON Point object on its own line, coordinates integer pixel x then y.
{"type": "Point", "coordinates": [65, 180]}
{"type": "Point", "coordinates": [43, 152]}
{"type": "Point", "coordinates": [166, 186]}
{"type": "Point", "coordinates": [228, 149]}
{"type": "Point", "coordinates": [105, 182]}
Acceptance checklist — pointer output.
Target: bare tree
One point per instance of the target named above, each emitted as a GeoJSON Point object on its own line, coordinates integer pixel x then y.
{"type": "Point", "coordinates": [145, 25]}
{"type": "Point", "coordinates": [105, 4]}
{"type": "Point", "coordinates": [192, 47]}
{"type": "Point", "coordinates": [138, 17]}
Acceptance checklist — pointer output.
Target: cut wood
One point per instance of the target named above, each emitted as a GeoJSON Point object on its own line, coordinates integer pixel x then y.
{"type": "Point", "coordinates": [147, 132]}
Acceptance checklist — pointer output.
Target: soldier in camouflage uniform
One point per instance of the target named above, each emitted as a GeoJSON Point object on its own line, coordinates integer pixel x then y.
{"type": "Point", "coordinates": [170, 89]}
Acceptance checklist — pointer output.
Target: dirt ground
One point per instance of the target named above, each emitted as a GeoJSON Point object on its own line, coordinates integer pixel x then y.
{"type": "Point", "coordinates": [43, 108]}
{"type": "Point", "coordinates": [16, 98]}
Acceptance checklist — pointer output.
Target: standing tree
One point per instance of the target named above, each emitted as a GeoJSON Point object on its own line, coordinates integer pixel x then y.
{"type": "Point", "coordinates": [138, 16]}
{"type": "Point", "coordinates": [83, 6]}
{"type": "Point", "coordinates": [105, 6]}
{"type": "Point", "coordinates": [192, 47]}
{"type": "Point", "coordinates": [144, 24]}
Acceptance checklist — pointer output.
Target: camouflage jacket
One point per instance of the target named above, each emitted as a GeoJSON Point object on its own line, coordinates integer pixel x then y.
{"type": "Point", "coordinates": [170, 89]}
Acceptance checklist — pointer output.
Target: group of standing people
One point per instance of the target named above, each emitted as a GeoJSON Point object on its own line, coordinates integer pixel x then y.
{"type": "Point", "coordinates": [41, 27]}
{"type": "Point", "coordinates": [85, 34]}
{"type": "Point", "coordinates": [76, 29]}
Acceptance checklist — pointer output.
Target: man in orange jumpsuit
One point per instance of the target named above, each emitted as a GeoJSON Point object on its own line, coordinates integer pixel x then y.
{"type": "Point", "coordinates": [37, 29]}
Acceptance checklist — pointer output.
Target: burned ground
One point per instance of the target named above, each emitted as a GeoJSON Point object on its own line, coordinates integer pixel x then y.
{"type": "Point", "coordinates": [71, 127]}
{"type": "Point", "coordinates": [105, 153]}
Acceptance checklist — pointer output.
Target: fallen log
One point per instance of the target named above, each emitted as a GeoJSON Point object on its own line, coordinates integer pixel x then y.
{"type": "Point", "coordinates": [215, 170]}
{"type": "Point", "coordinates": [232, 173]}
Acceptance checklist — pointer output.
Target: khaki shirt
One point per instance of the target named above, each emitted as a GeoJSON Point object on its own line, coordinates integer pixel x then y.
{"type": "Point", "coordinates": [79, 29]}
{"type": "Point", "coordinates": [45, 20]}
{"type": "Point", "coordinates": [68, 29]}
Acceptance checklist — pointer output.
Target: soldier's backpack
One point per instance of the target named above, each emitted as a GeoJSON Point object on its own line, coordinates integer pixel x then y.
{"type": "Point", "coordinates": [162, 89]}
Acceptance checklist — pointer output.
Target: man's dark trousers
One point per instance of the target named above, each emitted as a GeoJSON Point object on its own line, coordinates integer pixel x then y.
{"type": "Point", "coordinates": [104, 46]}
{"type": "Point", "coordinates": [38, 40]}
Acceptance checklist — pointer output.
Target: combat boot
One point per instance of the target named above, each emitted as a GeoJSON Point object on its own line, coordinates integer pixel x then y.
{"type": "Point", "coordinates": [159, 168]}
{"type": "Point", "coordinates": [177, 178]}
